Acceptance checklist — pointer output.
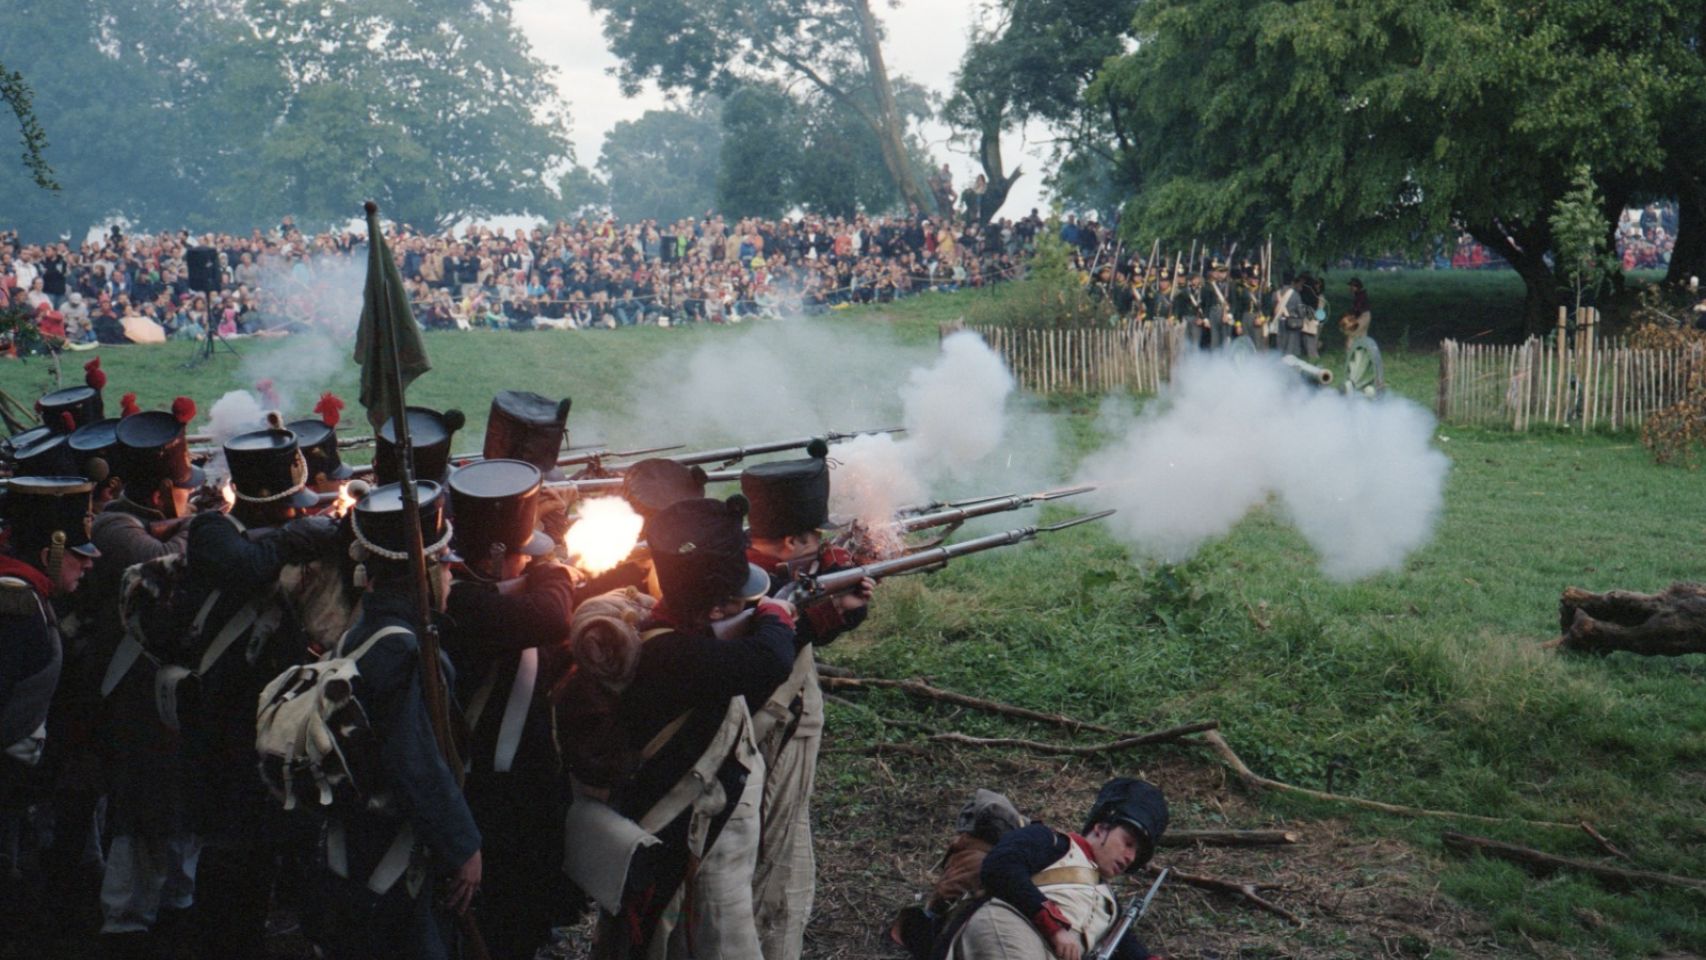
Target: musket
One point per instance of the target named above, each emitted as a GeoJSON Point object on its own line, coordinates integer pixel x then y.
{"type": "Point", "coordinates": [952, 515]}
{"type": "Point", "coordinates": [604, 485]}
{"type": "Point", "coordinates": [728, 456]}
{"type": "Point", "coordinates": [590, 458]}
{"type": "Point", "coordinates": [812, 587]}
{"type": "Point", "coordinates": [1133, 912]}
{"type": "Point", "coordinates": [1311, 374]}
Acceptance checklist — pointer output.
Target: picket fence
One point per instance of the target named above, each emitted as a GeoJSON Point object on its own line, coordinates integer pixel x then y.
{"type": "Point", "coordinates": [1575, 378]}
{"type": "Point", "coordinates": [1137, 359]}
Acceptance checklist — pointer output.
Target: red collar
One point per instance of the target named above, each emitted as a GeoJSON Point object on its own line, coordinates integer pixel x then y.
{"type": "Point", "coordinates": [1084, 845]}
{"type": "Point", "coordinates": [13, 567]}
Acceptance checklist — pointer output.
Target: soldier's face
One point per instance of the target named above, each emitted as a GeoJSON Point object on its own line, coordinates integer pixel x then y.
{"type": "Point", "coordinates": [71, 570]}
{"type": "Point", "coordinates": [1116, 848]}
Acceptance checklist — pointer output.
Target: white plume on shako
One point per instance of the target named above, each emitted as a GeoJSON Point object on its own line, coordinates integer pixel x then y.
{"type": "Point", "coordinates": [1359, 479]}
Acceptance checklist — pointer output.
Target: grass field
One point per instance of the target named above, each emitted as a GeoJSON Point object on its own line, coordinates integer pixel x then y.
{"type": "Point", "coordinates": [1426, 686]}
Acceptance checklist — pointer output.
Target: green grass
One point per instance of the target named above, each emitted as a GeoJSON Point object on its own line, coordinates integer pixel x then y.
{"type": "Point", "coordinates": [1423, 686]}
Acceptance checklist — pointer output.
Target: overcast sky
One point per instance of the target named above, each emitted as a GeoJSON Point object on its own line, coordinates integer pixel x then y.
{"type": "Point", "coordinates": [926, 39]}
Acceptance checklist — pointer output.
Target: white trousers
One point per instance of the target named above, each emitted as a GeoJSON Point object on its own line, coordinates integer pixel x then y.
{"type": "Point", "coordinates": [145, 875]}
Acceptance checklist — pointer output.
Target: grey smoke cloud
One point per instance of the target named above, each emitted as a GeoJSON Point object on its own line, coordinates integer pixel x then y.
{"type": "Point", "coordinates": [1359, 479]}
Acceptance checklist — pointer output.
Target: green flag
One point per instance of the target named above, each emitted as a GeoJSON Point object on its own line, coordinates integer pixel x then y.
{"type": "Point", "coordinates": [385, 314]}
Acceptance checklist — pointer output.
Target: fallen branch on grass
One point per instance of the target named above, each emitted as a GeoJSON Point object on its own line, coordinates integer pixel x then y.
{"type": "Point", "coordinates": [1230, 838]}
{"type": "Point", "coordinates": [1168, 735]}
{"type": "Point", "coordinates": [1605, 844]}
{"type": "Point", "coordinates": [1668, 624]}
{"type": "Point", "coordinates": [1546, 862]}
{"type": "Point", "coordinates": [1250, 891]}
{"type": "Point", "coordinates": [1255, 780]}
{"type": "Point", "coordinates": [926, 691]}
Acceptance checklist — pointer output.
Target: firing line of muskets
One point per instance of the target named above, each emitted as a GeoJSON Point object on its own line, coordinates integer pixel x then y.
{"type": "Point", "coordinates": [522, 426]}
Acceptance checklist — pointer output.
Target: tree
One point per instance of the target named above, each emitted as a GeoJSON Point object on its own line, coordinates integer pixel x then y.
{"type": "Point", "coordinates": [1033, 62]}
{"type": "Point", "coordinates": [763, 130]}
{"type": "Point", "coordinates": [1579, 233]}
{"type": "Point", "coordinates": [663, 165]}
{"type": "Point", "coordinates": [1339, 125]}
{"type": "Point", "coordinates": [435, 108]}
{"type": "Point", "coordinates": [716, 46]}
{"type": "Point", "coordinates": [224, 113]}
{"type": "Point", "coordinates": [18, 97]}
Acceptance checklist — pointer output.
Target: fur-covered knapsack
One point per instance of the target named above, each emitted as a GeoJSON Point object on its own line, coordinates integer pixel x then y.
{"type": "Point", "coordinates": [604, 644]}
{"type": "Point", "coordinates": [313, 736]}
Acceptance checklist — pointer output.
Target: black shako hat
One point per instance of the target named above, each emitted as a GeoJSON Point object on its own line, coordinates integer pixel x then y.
{"type": "Point", "coordinates": [267, 467]}
{"type": "Point", "coordinates": [39, 508]}
{"type": "Point", "coordinates": [526, 426]}
{"type": "Point", "coordinates": [496, 504]}
{"type": "Point", "coordinates": [699, 551]}
{"type": "Point", "coordinates": [152, 450]}
{"type": "Point", "coordinates": [50, 456]}
{"type": "Point", "coordinates": [318, 441]}
{"type": "Point", "coordinates": [651, 485]}
{"type": "Point", "coordinates": [430, 432]}
{"type": "Point", "coordinates": [1136, 803]}
{"type": "Point", "coordinates": [96, 441]}
{"type": "Point", "coordinates": [19, 441]}
{"type": "Point", "coordinates": [82, 404]}
{"type": "Point", "coordinates": [788, 496]}
{"type": "Point", "coordinates": [377, 523]}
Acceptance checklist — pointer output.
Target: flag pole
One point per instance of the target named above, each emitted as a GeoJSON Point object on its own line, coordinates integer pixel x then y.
{"type": "Point", "coordinates": [432, 678]}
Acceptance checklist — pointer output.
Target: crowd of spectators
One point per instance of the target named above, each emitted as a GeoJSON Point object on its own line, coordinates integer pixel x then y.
{"type": "Point", "coordinates": [590, 273]}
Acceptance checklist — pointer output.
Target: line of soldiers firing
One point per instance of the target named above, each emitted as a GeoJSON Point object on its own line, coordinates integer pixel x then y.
{"type": "Point", "coordinates": [215, 709]}
{"type": "Point", "coordinates": [1238, 308]}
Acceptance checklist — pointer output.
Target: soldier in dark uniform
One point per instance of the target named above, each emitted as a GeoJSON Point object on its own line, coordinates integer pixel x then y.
{"type": "Point", "coordinates": [380, 898]}
{"type": "Point", "coordinates": [1161, 299]}
{"type": "Point", "coordinates": [509, 615]}
{"type": "Point", "coordinates": [237, 634]}
{"type": "Point", "coordinates": [152, 859]}
{"type": "Point", "coordinates": [676, 756]}
{"type": "Point", "coordinates": [47, 553]}
{"type": "Point", "coordinates": [1192, 310]}
{"type": "Point", "coordinates": [790, 506]}
{"type": "Point", "coordinates": [1048, 889]}
{"type": "Point", "coordinates": [317, 438]}
{"type": "Point", "coordinates": [1220, 300]}
{"type": "Point", "coordinates": [528, 427]}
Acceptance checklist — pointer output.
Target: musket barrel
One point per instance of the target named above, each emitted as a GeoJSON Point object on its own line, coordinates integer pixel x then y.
{"type": "Point", "coordinates": [966, 510]}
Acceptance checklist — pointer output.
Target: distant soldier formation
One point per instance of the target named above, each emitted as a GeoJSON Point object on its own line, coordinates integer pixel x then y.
{"type": "Point", "coordinates": [1228, 304]}
{"type": "Point", "coordinates": [227, 723]}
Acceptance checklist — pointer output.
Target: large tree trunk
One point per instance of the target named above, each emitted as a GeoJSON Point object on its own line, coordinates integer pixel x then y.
{"type": "Point", "coordinates": [1000, 181]}
{"type": "Point", "coordinates": [1688, 257]}
{"type": "Point", "coordinates": [1525, 251]}
{"type": "Point", "coordinates": [888, 127]}
{"type": "Point", "coordinates": [1672, 623]}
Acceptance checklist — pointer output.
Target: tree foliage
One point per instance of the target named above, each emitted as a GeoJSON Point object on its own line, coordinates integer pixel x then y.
{"type": "Point", "coordinates": [214, 113]}
{"type": "Point", "coordinates": [663, 165]}
{"type": "Point", "coordinates": [16, 92]}
{"type": "Point", "coordinates": [1033, 62]}
{"type": "Point", "coordinates": [1344, 125]}
{"type": "Point", "coordinates": [719, 46]}
{"type": "Point", "coordinates": [1579, 234]}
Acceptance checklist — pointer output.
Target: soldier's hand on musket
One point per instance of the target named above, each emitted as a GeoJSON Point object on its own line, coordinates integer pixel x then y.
{"type": "Point", "coordinates": [777, 608]}
{"type": "Point", "coordinates": [857, 597]}
{"type": "Point", "coordinates": [464, 883]}
{"type": "Point", "coordinates": [1065, 945]}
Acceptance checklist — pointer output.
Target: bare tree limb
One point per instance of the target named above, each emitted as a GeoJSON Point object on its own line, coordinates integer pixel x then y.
{"type": "Point", "coordinates": [1256, 781]}
{"type": "Point", "coordinates": [1543, 862]}
{"type": "Point", "coordinates": [1168, 735]}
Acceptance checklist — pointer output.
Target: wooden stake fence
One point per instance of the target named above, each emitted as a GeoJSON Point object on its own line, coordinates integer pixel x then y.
{"type": "Point", "coordinates": [1580, 379]}
{"type": "Point", "coordinates": [1086, 360]}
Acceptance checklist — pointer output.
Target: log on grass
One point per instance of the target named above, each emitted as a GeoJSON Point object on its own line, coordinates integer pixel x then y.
{"type": "Point", "coordinates": [1230, 838]}
{"type": "Point", "coordinates": [1248, 890]}
{"type": "Point", "coordinates": [1543, 862]}
{"type": "Point", "coordinates": [1670, 624]}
